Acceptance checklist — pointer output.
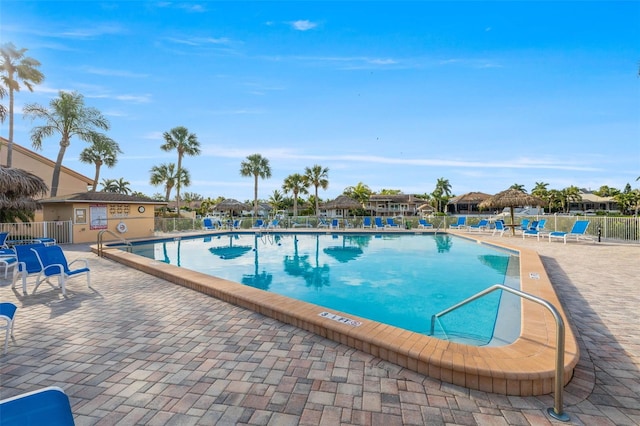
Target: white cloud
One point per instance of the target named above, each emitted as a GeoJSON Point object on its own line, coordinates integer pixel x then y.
{"type": "Point", "coordinates": [303, 25]}
{"type": "Point", "coordinates": [114, 73]}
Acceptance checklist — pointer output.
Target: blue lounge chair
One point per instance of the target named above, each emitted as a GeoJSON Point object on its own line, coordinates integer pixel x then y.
{"type": "Point", "coordinates": [391, 223]}
{"type": "Point", "coordinates": [462, 223]}
{"type": "Point", "coordinates": [275, 223]}
{"type": "Point", "coordinates": [322, 223]}
{"type": "Point", "coordinates": [237, 224]}
{"type": "Point", "coordinates": [7, 313]}
{"type": "Point", "coordinates": [8, 259]}
{"type": "Point", "coordinates": [208, 223]}
{"type": "Point", "coordinates": [28, 264]}
{"type": "Point", "coordinates": [54, 264]}
{"type": "Point", "coordinates": [524, 225]}
{"type": "Point", "coordinates": [335, 224]}
{"type": "Point", "coordinates": [532, 230]}
{"type": "Point", "coordinates": [3, 240]}
{"type": "Point", "coordinates": [422, 223]}
{"type": "Point", "coordinates": [259, 223]}
{"type": "Point", "coordinates": [480, 226]}
{"type": "Point", "coordinates": [500, 228]}
{"type": "Point", "coordinates": [49, 406]}
{"type": "Point", "coordinates": [578, 231]}
{"type": "Point", "coordinates": [366, 222]}
{"type": "Point", "coordinates": [378, 223]}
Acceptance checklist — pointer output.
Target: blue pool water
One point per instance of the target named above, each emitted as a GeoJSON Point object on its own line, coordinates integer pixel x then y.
{"type": "Point", "coordinates": [401, 280]}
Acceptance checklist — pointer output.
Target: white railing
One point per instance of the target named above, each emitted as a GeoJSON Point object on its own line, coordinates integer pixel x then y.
{"type": "Point", "coordinates": [61, 231]}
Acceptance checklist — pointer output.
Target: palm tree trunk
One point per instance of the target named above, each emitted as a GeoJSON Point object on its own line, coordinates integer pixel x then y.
{"type": "Point", "coordinates": [10, 143]}
{"type": "Point", "coordinates": [95, 179]}
{"type": "Point", "coordinates": [56, 170]}
{"type": "Point", "coordinates": [255, 196]}
{"type": "Point", "coordinates": [178, 185]}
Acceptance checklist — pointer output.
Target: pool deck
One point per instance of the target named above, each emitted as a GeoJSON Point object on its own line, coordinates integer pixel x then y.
{"type": "Point", "coordinates": [138, 350]}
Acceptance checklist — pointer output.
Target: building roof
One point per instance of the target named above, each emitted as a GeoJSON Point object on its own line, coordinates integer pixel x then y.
{"type": "Point", "coordinates": [396, 198]}
{"type": "Point", "coordinates": [101, 197]}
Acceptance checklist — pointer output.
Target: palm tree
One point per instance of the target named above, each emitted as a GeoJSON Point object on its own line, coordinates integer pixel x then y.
{"type": "Point", "coordinates": [69, 117]}
{"type": "Point", "coordinates": [276, 200]}
{"type": "Point", "coordinates": [3, 109]}
{"type": "Point", "coordinates": [442, 192]}
{"type": "Point", "coordinates": [165, 174]}
{"type": "Point", "coordinates": [257, 166]}
{"type": "Point", "coordinates": [554, 197]}
{"type": "Point", "coordinates": [317, 176]}
{"type": "Point", "coordinates": [540, 190]}
{"type": "Point", "coordinates": [103, 151]}
{"type": "Point", "coordinates": [122, 186]}
{"type": "Point", "coordinates": [360, 192]}
{"type": "Point", "coordinates": [569, 194]}
{"type": "Point", "coordinates": [109, 185]}
{"type": "Point", "coordinates": [15, 66]}
{"type": "Point", "coordinates": [296, 184]}
{"type": "Point", "coordinates": [518, 187]}
{"type": "Point", "coordinates": [184, 143]}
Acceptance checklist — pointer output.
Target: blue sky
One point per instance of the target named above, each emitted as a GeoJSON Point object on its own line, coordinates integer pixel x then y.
{"type": "Point", "coordinates": [391, 94]}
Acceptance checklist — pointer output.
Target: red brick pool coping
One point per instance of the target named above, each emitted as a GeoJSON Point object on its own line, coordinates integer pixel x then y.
{"type": "Point", "coordinates": [524, 368]}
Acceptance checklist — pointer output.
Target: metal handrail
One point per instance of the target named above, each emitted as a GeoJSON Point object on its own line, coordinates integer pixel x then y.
{"type": "Point", "coordinates": [555, 411]}
{"type": "Point", "coordinates": [101, 233]}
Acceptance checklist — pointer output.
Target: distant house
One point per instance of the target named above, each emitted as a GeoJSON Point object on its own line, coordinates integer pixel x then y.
{"type": "Point", "coordinates": [394, 205]}
{"type": "Point", "coordinates": [592, 203]}
{"type": "Point", "coordinates": [467, 203]}
{"type": "Point", "coordinates": [22, 158]}
{"type": "Point", "coordinates": [125, 216]}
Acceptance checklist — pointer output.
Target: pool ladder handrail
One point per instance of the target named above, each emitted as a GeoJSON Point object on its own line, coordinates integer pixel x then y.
{"type": "Point", "coordinates": [556, 411]}
{"type": "Point", "coordinates": [100, 242]}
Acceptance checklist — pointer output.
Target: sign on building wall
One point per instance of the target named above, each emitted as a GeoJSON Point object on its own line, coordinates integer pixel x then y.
{"type": "Point", "coordinates": [98, 216]}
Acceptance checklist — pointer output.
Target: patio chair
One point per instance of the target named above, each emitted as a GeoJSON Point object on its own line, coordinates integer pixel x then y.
{"type": "Point", "coordinates": [532, 231]}
{"type": "Point", "coordinates": [378, 223]}
{"type": "Point", "coordinates": [8, 259]}
{"type": "Point", "coordinates": [237, 224]}
{"type": "Point", "coordinates": [524, 225]}
{"type": "Point", "coordinates": [28, 264]}
{"type": "Point", "coordinates": [275, 223]}
{"type": "Point", "coordinates": [7, 313]}
{"type": "Point", "coordinates": [578, 231]}
{"type": "Point", "coordinates": [422, 223]}
{"type": "Point", "coordinates": [500, 228]}
{"type": "Point", "coordinates": [366, 222]}
{"type": "Point", "coordinates": [391, 223]}
{"type": "Point", "coordinates": [54, 264]}
{"type": "Point", "coordinates": [49, 406]}
{"type": "Point", "coordinates": [480, 226]}
{"type": "Point", "coordinates": [3, 240]}
{"type": "Point", "coordinates": [208, 223]}
{"type": "Point", "coordinates": [259, 223]}
{"type": "Point", "coordinates": [322, 223]}
{"type": "Point", "coordinates": [335, 224]}
{"type": "Point", "coordinates": [461, 223]}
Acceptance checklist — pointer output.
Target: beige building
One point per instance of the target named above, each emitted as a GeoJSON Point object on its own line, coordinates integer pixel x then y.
{"type": "Point", "coordinates": [22, 158]}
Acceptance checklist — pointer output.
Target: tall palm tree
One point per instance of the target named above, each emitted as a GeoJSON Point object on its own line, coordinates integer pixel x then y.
{"type": "Point", "coordinates": [184, 143]}
{"type": "Point", "coordinates": [360, 192]}
{"type": "Point", "coordinates": [68, 116]}
{"type": "Point", "coordinates": [540, 190]}
{"type": "Point", "coordinates": [518, 187]}
{"type": "Point", "coordinates": [109, 185]}
{"type": "Point", "coordinates": [442, 191]}
{"type": "Point", "coordinates": [295, 184]}
{"type": "Point", "coordinates": [3, 109]}
{"type": "Point", "coordinates": [14, 66]}
{"type": "Point", "coordinates": [103, 151]}
{"type": "Point", "coordinates": [165, 174]}
{"type": "Point", "coordinates": [317, 176]}
{"type": "Point", "coordinates": [123, 186]}
{"type": "Point", "coordinates": [257, 166]}
{"type": "Point", "coordinates": [276, 200]}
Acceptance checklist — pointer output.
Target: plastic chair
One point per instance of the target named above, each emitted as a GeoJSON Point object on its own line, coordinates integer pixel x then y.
{"type": "Point", "coordinates": [54, 264]}
{"type": "Point", "coordinates": [7, 313]}
{"type": "Point", "coordinates": [49, 406]}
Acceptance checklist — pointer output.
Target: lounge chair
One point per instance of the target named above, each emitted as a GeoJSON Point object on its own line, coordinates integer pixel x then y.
{"type": "Point", "coordinates": [7, 313]}
{"type": "Point", "coordinates": [391, 223]}
{"type": "Point", "coordinates": [480, 226]}
{"type": "Point", "coordinates": [500, 228]}
{"type": "Point", "coordinates": [28, 264]}
{"type": "Point", "coordinates": [462, 223]}
{"type": "Point", "coordinates": [208, 223]}
{"type": "Point", "coordinates": [259, 223]}
{"type": "Point", "coordinates": [275, 223]}
{"type": "Point", "coordinates": [378, 223]}
{"type": "Point", "coordinates": [524, 225]}
{"type": "Point", "coordinates": [532, 231]}
{"type": "Point", "coordinates": [322, 223]}
{"type": "Point", "coordinates": [3, 240]}
{"type": "Point", "coordinates": [578, 231]}
{"type": "Point", "coordinates": [335, 224]}
{"type": "Point", "coordinates": [49, 406]}
{"type": "Point", "coordinates": [366, 222]}
{"type": "Point", "coordinates": [237, 224]}
{"type": "Point", "coordinates": [422, 223]}
{"type": "Point", "coordinates": [54, 264]}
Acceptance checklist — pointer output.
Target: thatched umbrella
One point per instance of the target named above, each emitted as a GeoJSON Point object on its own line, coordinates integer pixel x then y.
{"type": "Point", "coordinates": [511, 198]}
{"type": "Point", "coordinates": [18, 187]}
{"type": "Point", "coordinates": [343, 203]}
{"type": "Point", "coordinates": [469, 199]}
{"type": "Point", "coordinates": [230, 205]}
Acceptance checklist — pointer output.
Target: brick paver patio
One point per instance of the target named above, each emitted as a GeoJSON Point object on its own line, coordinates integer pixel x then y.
{"type": "Point", "coordinates": [138, 350]}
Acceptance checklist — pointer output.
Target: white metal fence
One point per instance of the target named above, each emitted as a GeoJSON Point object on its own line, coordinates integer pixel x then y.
{"type": "Point", "coordinates": [604, 227]}
{"type": "Point", "coordinates": [61, 231]}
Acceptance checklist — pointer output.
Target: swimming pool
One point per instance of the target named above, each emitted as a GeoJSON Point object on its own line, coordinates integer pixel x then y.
{"type": "Point", "coordinates": [396, 279]}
